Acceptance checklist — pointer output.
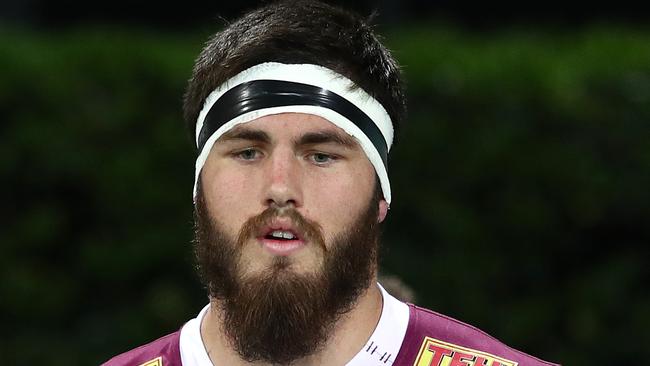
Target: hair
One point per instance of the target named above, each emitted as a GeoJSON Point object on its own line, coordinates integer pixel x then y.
{"type": "Point", "coordinates": [298, 31]}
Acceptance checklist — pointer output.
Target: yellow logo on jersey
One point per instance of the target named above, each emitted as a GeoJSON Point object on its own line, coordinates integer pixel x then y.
{"type": "Point", "coordinates": [438, 353]}
{"type": "Point", "coordinates": [154, 362]}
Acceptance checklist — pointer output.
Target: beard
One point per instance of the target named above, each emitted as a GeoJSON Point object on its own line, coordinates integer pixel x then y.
{"type": "Point", "coordinates": [277, 315]}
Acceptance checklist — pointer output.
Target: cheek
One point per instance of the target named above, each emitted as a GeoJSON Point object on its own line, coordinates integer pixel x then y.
{"type": "Point", "coordinates": [338, 199]}
{"type": "Point", "coordinates": [225, 196]}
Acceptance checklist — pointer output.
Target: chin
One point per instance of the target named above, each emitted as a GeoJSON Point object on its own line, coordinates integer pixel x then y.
{"type": "Point", "coordinates": [290, 265]}
{"type": "Point", "coordinates": [278, 266]}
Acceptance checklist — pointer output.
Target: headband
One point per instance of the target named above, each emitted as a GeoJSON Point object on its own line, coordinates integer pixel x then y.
{"type": "Point", "coordinates": [273, 88]}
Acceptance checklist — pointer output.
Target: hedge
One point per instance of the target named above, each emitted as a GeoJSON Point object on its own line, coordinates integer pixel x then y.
{"type": "Point", "coordinates": [520, 182]}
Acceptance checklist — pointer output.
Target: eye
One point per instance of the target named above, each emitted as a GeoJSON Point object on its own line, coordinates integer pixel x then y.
{"type": "Point", "coordinates": [247, 154]}
{"type": "Point", "coordinates": [322, 158]}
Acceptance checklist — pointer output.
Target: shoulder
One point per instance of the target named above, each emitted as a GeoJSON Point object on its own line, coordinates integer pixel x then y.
{"type": "Point", "coordinates": [164, 351]}
{"type": "Point", "coordinates": [433, 339]}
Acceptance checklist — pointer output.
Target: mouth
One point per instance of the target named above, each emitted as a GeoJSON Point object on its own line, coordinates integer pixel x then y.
{"type": "Point", "coordinates": [281, 238]}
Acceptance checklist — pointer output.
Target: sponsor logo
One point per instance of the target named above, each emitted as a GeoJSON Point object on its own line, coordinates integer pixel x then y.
{"type": "Point", "coordinates": [154, 362]}
{"type": "Point", "coordinates": [438, 353]}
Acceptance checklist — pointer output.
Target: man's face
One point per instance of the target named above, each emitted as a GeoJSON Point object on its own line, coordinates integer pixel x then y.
{"type": "Point", "coordinates": [289, 160]}
{"type": "Point", "coordinates": [297, 177]}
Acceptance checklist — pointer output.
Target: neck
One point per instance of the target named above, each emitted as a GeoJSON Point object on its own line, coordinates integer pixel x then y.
{"type": "Point", "coordinates": [349, 334]}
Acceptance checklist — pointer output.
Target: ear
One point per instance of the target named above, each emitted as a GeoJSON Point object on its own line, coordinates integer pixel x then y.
{"type": "Point", "coordinates": [383, 210]}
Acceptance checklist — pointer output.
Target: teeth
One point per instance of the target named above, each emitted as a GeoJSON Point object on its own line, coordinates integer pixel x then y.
{"type": "Point", "coordinates": [282, 234]}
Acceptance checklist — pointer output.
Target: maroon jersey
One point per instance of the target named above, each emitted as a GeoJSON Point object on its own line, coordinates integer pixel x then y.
{"type": "Point", "coordinates": [431, 339]}
{"type": "Point", "coordinates": [163, 351]}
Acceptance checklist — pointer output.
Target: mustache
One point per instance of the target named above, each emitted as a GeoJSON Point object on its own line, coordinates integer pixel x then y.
{"type": "Point", "coordinates": [307, 229]}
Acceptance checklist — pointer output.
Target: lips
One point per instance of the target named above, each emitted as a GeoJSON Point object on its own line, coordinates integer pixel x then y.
{"type": "Point", "coordinates": [280, 237]}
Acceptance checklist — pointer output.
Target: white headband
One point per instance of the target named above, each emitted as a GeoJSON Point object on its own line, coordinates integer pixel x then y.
{"type": "Point", "coordinates": [310, 76]}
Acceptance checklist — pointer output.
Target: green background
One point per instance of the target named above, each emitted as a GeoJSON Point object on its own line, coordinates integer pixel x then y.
{"type": "Point", "coordinates": [520, 188]}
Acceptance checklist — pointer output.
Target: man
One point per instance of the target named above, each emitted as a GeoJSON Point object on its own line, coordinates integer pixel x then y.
{"type": "Point", "coordinates": [294, 108]}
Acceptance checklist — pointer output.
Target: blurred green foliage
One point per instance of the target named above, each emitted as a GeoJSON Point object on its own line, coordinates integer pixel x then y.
{"type": "Point", "coordinates": [520, 181]}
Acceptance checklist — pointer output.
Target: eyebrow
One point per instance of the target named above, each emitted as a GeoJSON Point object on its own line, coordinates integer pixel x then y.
{"type": "Point", "coordinates": [246, 134]}
{"type": "Point", "coordinates": [310, 138]}
{"type": "Point", "coordinates": [324, 137]}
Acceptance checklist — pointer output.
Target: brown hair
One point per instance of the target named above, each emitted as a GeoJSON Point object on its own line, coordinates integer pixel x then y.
{"type": "Point", "coordinates": [298, 31]}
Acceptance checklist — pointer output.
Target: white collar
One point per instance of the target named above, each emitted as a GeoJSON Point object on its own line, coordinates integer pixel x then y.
{"type": "Point", "coordinates": [381, 349]}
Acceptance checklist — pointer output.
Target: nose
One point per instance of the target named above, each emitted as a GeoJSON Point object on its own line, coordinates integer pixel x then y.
{"type": "Point", "coordinates": [283, 180]}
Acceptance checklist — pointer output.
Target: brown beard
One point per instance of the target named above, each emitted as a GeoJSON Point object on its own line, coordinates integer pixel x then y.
{"type": "Point", "coordinates": [279, 316]}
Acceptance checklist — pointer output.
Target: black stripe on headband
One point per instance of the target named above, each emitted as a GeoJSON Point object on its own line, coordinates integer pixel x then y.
{"type": "Point", "coordinates": [259, 94]}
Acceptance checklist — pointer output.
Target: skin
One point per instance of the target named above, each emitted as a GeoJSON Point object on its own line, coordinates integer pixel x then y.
{"type": "Point", "coordinates": [306, 162]}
